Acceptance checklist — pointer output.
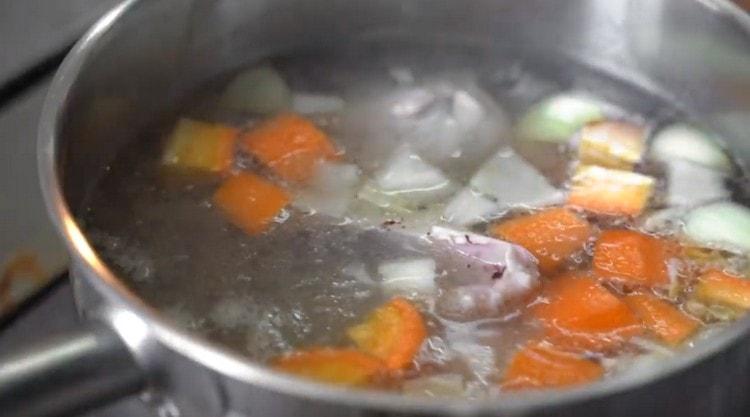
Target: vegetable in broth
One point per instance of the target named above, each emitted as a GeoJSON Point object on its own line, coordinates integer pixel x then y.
{"type": "Point", "coordinates": [428, 232]}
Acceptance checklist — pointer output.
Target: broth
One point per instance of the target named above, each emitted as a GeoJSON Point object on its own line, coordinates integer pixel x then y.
{"type": "Point", "coordinates": [317, 269]}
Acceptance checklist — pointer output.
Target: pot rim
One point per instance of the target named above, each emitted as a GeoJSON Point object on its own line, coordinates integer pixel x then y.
{"type": "Point", "coordinates": [238, 367]}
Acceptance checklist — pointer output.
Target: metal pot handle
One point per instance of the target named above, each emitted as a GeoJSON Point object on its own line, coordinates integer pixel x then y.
{"type": "Point", "coordinates": [67, 375]}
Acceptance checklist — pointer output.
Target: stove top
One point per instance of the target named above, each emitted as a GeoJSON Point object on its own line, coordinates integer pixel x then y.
{"type": "Point", "coordinates": [53, 312]}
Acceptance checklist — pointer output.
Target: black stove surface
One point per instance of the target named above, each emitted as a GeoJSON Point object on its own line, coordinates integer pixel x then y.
{"type": "Point", "coordinates": [53, 312]}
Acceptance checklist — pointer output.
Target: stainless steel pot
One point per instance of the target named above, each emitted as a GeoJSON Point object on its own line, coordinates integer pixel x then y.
{"type": "Point", "coordinates": [144, 55]}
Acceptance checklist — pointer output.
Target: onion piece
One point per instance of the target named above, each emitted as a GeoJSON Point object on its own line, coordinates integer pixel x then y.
{"type": "Point", "coordinates": [358, 271]}
{"type": "Point", "coordinates": [512, 181]}
{"type": "Point", "coordinates": [373, 208]}
{"type": "Point", "coordinates": [724, 225]}
{"type": "Point", "coordinates": [467, 110]}
{"type": "Point", "coordinates": [691, 184]}
{"type": "Point", "coordinates": [451, 124]}
{"type": "Point", "coordinates": [636, 366]}
{"type": "Point", "coordinates": [259, 90]}
{"type": "Point", "coordinates": [409, 177]}
{"type": "Point", "coordinates": [441, 385]}
{"type": "Point", "coordinates": [480, 359]}
{"type": "Point", "coordinates": [665, 221]}
{"type": "Point", "coordinates": [331, 190]}
{"type": "Point", "coordinates": [408, 276]}
{"type": "Point", "coordinates": [306, 103]}
{"type": "Point", "coordinates": [457, 129]}
{"type": "Point", "coordinates": [557, 118]}
{"type": "Point", "coordinates": [681, 141]}
{"type": "Point", "coordinates": [407, 171]}
{"type": "Point", "coordinates": [469, 207]}
{"type": "Point", "coordinates": [387, 201]}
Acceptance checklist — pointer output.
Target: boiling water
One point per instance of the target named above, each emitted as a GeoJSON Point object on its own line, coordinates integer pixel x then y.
{"type": "Point", "coordinates": [309, 278]}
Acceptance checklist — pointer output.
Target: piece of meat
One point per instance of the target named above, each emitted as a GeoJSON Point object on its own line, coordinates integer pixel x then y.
{"type": "Point", "coordinates": [485, 274]}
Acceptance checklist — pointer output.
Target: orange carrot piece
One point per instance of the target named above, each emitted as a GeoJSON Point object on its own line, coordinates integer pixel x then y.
{"type": "Point", "coordinates": [632, 258]}
{"type": "Point", "coordinates": [579, 314]}
{"type": "Point", "coordinates": [538, 365]}
{"type": "Point", "coordinates": [200, 146]}
{"type": "Point", "coordinates": [661, 318]}
{"type": "Point", "coordinates": [610, 191]}
{"type": "Point", "coordinates": [290, 145]}
{"type": "Point", "coordinates": [551, 235]}
{"type": "Point", "coordinates": [335, 366]}
{"type": "Point", "coordinates": [250, 202]}
{"type": "Point", "coordinates": [718, 287]}
{"type": "Point", "coordinates": [393, 333]}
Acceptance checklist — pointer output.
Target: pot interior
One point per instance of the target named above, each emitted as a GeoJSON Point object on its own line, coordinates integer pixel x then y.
{"type": "Point", "coordinates": [657, 62]}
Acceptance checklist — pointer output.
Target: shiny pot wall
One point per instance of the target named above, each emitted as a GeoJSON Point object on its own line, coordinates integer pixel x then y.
{"type": "Point", "coordinates": [145, 55]}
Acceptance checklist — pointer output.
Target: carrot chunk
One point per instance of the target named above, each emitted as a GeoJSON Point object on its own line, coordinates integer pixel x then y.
{"type": "Point", "coordinates": [250, 202]}
{"type": "Point", "coordinates": [579, 314]}
{"type": "Point", "coordinates": [610, 191]}
{"type": "Point", "coordinates": [717, 287]}
{"type": "Point", "coordinates": [538, 365]}
{"type": "Point", "coordinates": [335, 366]}
{"type": "Point", "coordinates": [631, 257]}
{"type": "Point", "coordinates": [290, 145]}
{"type": "Point", "coordinates": [393, 332]}
{"type": "Point", "coordinates": [661, 318]}
{"type": "Point", "coordinates": [551, 235]}
{"type": "Point", "coordinates": [611, 144]}
{"type": "Point", "coordinates": [200, 146]}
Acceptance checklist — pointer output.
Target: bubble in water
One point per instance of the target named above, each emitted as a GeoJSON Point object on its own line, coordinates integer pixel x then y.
{"type": "Point", "coordinates": [283, 216]}
{"type": "Point", "coordinates": [232, 313]}
{"type": "Point", "coordinates": [134, 262]}
{"type": "Point", "coordinates": [266, 340]}
{"type": "Point", "coordinates": [183, 317]}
